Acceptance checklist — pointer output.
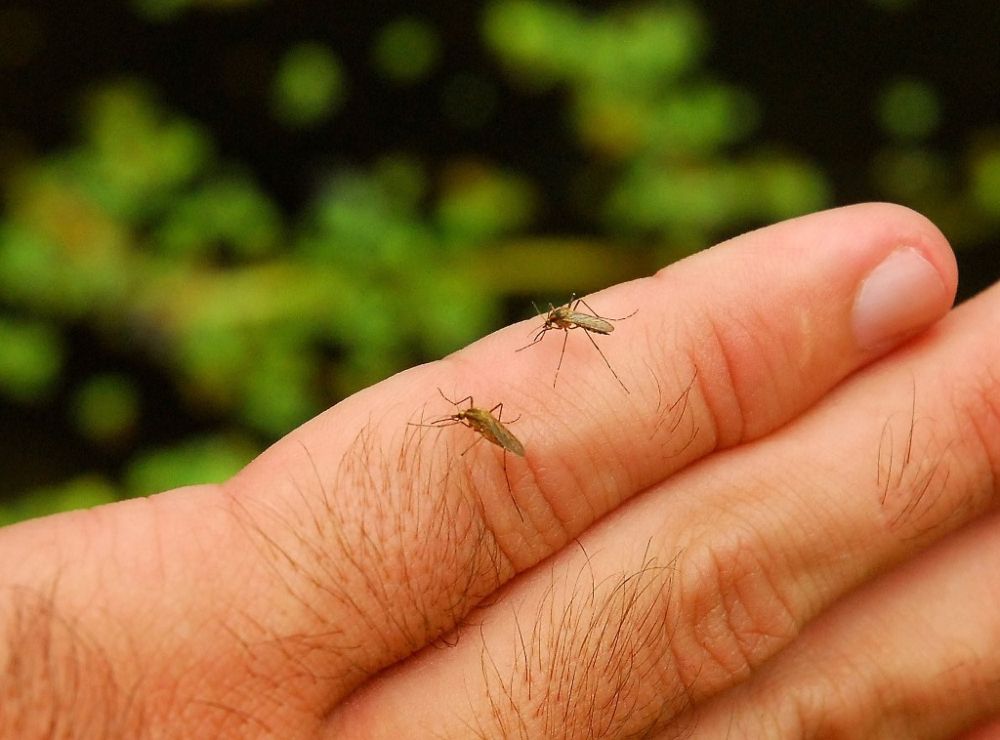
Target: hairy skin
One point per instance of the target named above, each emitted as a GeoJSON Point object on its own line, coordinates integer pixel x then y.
{"type": "Point", "coordinates": [395, 501]}
{"type": "Point", "coordinates": [582, 674]}
{"type": "Point", "coordinates": [378, 498]}
{"type": "Point", "coordinates": [378, 504]}
{"type": "Point", "coordinates": [912, 474]}
{"type": "Point", "coordinates": [63, 683]}
{"type": "Point", "coordinates": [59, 671]}
{"type": "Point", "coordinates": [623, 655]}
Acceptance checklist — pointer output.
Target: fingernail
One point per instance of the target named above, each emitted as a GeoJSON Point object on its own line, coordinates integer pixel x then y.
{"type": "Point", "coordinates": [903, 294]}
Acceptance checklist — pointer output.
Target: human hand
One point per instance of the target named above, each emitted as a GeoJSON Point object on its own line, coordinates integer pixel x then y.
{"type": "Point", "coordinates": [753, 542]}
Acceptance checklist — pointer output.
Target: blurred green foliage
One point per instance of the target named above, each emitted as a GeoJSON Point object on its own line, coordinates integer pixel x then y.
{"type": "Point", "coordinates": [78, 493]}
{"type": "Point", "coordinates": [31, 358]}
{"type": "Point", "coordinates": [984, 175]}
{"type": "Point", "coordinates": [194, 461]}
{"type": "Point", "coordinates": [407, 49]}
{"type": "Point", "coordinates": [909, 109]}
{"type": "Point", "coordinates": [140, 243]}
{"type": "Point", "coordinates": [645, 107]}
{"type": "Point", "coordinates": [309, 85]}
{"type": "Point", "coordinates": [106, 407]}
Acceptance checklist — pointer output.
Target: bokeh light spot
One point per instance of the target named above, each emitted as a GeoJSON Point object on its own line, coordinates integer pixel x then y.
{"type": "Point", "coordinates": [308, 87]}
{"type": "Point", "coordinates": [985, 177]}
{"type": "Point", "coordinates": [407, 49]}
{"type": "Point", "coordinates": [30, 359]}
{"type": "Point", "coordinates": [106, 408]}
{"type": "Point", "coordinates": [909, 109]}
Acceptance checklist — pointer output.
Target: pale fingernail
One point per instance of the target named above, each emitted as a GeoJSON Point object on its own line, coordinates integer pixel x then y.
{"type": "Point", "coordinates": [903, 294]}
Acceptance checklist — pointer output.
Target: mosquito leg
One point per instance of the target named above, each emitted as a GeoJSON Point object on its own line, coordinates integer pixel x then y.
{"type": "Point", "coordinates": [590, 308]}
{"type": "Point", "coordinates": [606, 318]}
{"type": "Point", "coordinates": [561, 354]}
{"type": "Point", "coordinates": [606, 361]}
{"type": "Point", "coordinates": [506, 477]}
{"type": "Point", "coordinates": [478, 440]}
{"type": "Point", "coordinates": [500, 415]}
{"type": "Point", "coordinates": [415, 424]}
{"type": "Point", "coordinates": [459, 402]}
{"type": "Point", "coordinates": [509, 489]}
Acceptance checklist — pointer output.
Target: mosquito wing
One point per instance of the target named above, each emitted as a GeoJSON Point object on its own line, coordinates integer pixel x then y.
{"type": "Point", "coordinates": [591, 323]}
{"type": "Point", "coordinates": [487, 425]}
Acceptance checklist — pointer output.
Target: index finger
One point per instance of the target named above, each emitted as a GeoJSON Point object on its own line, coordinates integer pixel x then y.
{"type": "Point", "coordinates": [384, 534]}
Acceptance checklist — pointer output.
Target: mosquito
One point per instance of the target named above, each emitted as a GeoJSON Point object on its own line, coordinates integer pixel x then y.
{"type": "Point", "coordinates": [483, 421]}
{"type": "Point", "coordinates": [567, 317]}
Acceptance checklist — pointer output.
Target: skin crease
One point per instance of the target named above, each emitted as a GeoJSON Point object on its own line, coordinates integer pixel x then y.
{"type": "Point", "coordinates": [778, 532]}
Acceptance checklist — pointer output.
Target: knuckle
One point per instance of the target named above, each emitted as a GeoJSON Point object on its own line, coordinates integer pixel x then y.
{"type": "Point", "coordinates": [939, 465]}
{"type": "Point", "coordinates": [823, 705]}
{"type": "Point", "coordinates": [730, 614]}
{"type": "Point", "coordinates": [739, 361]}
{"type": "Point", "coordinates": [980, 408]}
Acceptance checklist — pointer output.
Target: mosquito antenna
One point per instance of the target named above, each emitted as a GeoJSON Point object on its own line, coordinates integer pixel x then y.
{"type": "Point", "coordinates": [536, 340]}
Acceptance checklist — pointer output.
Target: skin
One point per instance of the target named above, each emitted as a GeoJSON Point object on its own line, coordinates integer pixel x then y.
{"type": "Point", "coordinates": [785, 530]}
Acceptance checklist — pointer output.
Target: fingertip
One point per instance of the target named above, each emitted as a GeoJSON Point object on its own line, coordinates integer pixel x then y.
{"type": "Point", "coordinates": [902, 295]}
{"type": "Point", "coordinates": [911, 283]}
{"type": "Point", "coordinates": [907, 226]}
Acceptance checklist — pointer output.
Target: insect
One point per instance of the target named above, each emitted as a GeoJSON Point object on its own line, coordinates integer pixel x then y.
{"type": "Point", "coordinates": [484, 422]}
{"type": "Point", "coordinates": [567, 317]}
{"type": "Point", "coordinates": [490, 427]}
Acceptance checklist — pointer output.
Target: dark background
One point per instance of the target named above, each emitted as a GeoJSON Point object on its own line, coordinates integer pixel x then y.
{"type": "Point", "coordinates": [815, 70]}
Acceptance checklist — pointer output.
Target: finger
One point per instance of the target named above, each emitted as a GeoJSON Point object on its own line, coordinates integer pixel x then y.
{"type": "Point", "coordinates": [692, 587]}
{"type": "Point", "coordinates": [385, 531]}
{"type": "Point", "coordinates": [914, 655]}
